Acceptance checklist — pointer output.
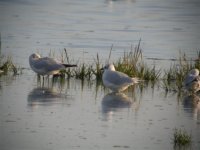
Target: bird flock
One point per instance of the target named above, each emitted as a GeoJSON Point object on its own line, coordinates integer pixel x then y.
{"type": "Point", "coordinates": [114, 80]}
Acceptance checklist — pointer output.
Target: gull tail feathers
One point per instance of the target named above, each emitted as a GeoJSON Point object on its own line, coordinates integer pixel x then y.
{"type": "Point", "coordinates": [69, 65]}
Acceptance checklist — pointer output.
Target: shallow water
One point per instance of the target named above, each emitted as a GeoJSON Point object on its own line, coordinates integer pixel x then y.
{"type": "Point", "coordinates": [76, 115]}
{"type": "Point", "coordinates": [71, 114]}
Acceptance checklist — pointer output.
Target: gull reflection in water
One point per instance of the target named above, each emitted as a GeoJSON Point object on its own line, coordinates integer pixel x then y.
{"type": "Point", "coordinates": [43, 96]}
{"type": "Point", "coordinates": [114, 102]}
{"type": "Point", "coordinates": [191, 104]}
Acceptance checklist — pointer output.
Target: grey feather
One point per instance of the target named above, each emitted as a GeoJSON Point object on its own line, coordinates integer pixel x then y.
{"type": "Point", "coordinates": [47, 64]}
{"type": "Point", "coordinates": [118, 78]}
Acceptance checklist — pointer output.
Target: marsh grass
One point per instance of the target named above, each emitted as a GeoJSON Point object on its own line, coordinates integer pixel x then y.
{"type": "Point", "coordinates": [181, 138]}
{"type": "Point", "coordinates": [132, 63]}
{"type": "Point", "coordinates": [174, 77]}
{"type": "Point", "coordinates": [83, 71]}
{"type": "Point", "coordinates": [89, 71]}
{"type": "Point", "coordinates": [97, 70]}
{"type": "Point", "coordinates": [7, 65]}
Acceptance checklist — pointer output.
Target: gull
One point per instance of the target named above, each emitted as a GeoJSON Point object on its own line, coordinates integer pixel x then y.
{"type": "Point", "coordinates": [115, 80]}
{"type": "Point", "coordinates": [192, 81]}
{"type": "Point", "coordinates": [45, 65]}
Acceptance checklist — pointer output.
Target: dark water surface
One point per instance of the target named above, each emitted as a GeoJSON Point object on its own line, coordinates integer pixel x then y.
{"type": "Point", "coordinates": [82, 115]}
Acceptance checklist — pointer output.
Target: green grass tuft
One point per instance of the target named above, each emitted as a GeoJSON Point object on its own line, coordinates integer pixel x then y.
{"type": "Point", "coordinates": [181, 138]}
{"type": "Point", "coordinates": [7, 66]}
{"type": "Point", "coordinates": [97, 72]}
{"type": "Point", "coordinates": [132, 63]}
{"type": "Point", "coordinates": [178, 71]}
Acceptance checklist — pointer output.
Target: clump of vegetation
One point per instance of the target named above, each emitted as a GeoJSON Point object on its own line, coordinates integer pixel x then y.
{"type": "Point", "coordinates": [181, 138]}
{"type": "Point", "coordinates": [174, 77]}
{"type": "Point", "coordinates": [97, 71]}
{"type": "Point", "coordinates": [83, 71]}
{"type": "Point", "coordinates": [131, 64]}
{"type": "Point", "coordinates": [138, 68]}
{"type": "Point", "coordinates": [7, 66]}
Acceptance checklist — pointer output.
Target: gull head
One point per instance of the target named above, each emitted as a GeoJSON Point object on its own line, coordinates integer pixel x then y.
{"type": "Point", "coordinates": [194, 72]}
{"type": "Point", "coordinates": [110, 67]}
{"type": "Point", "coordinates": [34, 56]}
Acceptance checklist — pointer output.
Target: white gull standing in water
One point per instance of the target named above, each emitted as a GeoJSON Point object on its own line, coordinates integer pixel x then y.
{"type": "Point", "coordinates": [192, 81]}
{"type": "Point", "coordinates": [45, 65]}
{"type": "Point", "coordinates": [115, 80]}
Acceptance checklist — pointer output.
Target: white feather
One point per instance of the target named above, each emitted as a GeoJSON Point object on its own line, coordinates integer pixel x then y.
{"type": "Point", "coordinates": [192, 81]}
{"type": "Point", "coordinates": [115, 80]}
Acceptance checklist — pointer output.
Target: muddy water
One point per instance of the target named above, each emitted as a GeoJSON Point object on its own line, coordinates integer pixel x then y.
{"type": "Point", "coordinates": [82, 115]}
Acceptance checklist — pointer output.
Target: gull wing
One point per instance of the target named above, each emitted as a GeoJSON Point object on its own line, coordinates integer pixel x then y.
{"type": "Point", "coordinates": [190, 78]}
{"type": "Point", "coordinates": [118, 78]}
{"type": "Point", "coordinates": [47, 64]}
